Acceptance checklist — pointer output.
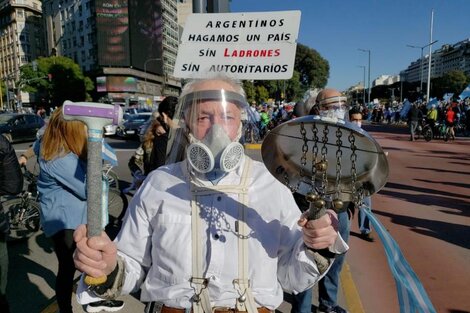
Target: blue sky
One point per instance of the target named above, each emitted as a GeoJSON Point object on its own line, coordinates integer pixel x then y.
{"type": "Point", "coordinates": [337, 28]}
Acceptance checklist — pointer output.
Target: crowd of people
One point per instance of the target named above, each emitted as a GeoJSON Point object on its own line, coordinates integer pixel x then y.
{"type": "Point", "coordinates": [204, 212]}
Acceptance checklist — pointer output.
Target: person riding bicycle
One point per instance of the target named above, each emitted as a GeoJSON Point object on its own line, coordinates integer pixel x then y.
{"type": "Point", "coordinates": [431, 118]}
{"type": "Point", "coordinates": [264, 121]}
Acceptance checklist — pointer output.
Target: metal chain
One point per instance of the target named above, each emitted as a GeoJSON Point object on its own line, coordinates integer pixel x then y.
{"type": "Point", "coordinates": [353, 158]}
{"type": "Point", "coordinates": [324, 151]}
{"type": "Point", "coordinates": [303, 158]}
{"type": "Point", "coordinates": [315, 153]}
{"type": "Point", "coordinates": [339, 154]}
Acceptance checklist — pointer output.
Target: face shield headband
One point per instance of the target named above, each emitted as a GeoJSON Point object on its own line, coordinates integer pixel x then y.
{"type": "Point", "coordinates": [217, 152]}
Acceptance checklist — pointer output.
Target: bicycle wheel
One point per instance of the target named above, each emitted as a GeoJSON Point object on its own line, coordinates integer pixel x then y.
{"type": "Point", "coordinates": [24, 217]}
{"type": "Point", "coordinates": [113, 179]}
{"type": "Point", "coordinates": [117, 205]}
{"type": "Point", "coordinates": [427, 133]}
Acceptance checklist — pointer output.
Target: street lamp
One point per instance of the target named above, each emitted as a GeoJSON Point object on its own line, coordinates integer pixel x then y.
{"type": "Point", "coordinates": [368, 79]}
{"type": "Point", "coordinates": [145, 69]}
{"type": "Point", "coordinates": [421, 62]}
{"type": "Point", "coordinates": [363, 89]}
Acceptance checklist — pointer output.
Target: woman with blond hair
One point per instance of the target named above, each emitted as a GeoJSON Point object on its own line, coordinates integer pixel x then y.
{"type": "Point", "coordinates": [62, 193]}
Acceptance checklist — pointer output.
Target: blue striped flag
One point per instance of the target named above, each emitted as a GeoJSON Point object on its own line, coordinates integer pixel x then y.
{"type": "Point", "coordinates": [411, 294]}
{"type": "Point", "coordinates": [109, 154]}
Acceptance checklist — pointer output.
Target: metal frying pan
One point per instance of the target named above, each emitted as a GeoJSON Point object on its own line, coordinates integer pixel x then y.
{"type": "Point", "coordinates": [288, 153]}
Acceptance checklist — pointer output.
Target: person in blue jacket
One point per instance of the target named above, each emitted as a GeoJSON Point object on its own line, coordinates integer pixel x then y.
{"type": "Point", "coordinates": [62, 192]}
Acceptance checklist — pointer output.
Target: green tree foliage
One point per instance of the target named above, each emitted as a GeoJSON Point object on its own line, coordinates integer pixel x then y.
{"type": "Point", "coordinates": [66, 82]}
{"type": "Point", "coordinates": [250, 90]}
{"type": "Point", "coordinates": [310, 71]}
{"type": "Point", "coordinates": [262, 94]}
{"type": "Point", "coordinates": [314, 70]}
{"type": "Point", "coordinates": [452, 82]}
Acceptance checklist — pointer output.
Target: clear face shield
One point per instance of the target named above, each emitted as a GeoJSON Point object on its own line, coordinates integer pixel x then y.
{"type": "Point", "coordinates": [334, 108]}
{"type": "Point", "coordinates": [211, 127]}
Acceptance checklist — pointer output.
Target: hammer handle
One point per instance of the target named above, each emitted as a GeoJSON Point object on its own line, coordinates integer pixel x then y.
{"type": "Point", "coordinates": [94, 193]}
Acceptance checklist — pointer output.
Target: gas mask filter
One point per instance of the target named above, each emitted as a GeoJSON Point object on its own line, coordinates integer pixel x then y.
{"type": "Point", "coordinates": [214, 151]}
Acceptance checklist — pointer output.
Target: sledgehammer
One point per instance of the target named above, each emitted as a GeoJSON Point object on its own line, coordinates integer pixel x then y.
{"type": "Point", "coordinates": [95, 116]}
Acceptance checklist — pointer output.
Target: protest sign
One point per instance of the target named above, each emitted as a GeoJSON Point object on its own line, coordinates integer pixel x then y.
{"type": "Point", "coordinates": [258, 45]}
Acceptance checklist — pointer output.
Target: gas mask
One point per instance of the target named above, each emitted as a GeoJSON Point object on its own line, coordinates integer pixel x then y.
{"type": "Point", "coordinates": [214, 152]}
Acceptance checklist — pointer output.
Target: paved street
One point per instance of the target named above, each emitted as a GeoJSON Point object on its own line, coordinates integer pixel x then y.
{"type": "Point", "coordinates": [425, 206]}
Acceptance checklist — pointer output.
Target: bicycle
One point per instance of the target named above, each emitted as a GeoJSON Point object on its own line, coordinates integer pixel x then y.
{"type": "Point", "coordinates": [424, 129]}
{"type": "Point", "coordinates": [23, 209]}
{"type": "Point", "coordinates": [113, 179]}
{"type": "Point", "coordinates": [117, 200]}
{"type": "Point", "coordinates": [252, 134]}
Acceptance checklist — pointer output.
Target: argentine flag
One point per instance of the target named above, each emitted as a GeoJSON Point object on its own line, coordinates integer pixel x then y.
{"type": "Point", "coordinates": [108, 154]}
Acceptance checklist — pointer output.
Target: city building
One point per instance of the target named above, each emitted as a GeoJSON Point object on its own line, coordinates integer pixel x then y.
{"type": "Point", "coordinates": [443, 60]}
{"type": "Point", "coordinates": [385, 80]}
{"type": "Point", "coordinates": [21, 41]}
{"type": "Point", "coordinates": [128, 48]}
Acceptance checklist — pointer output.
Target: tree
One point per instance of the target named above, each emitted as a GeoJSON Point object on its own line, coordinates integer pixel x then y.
{"type": "Point", "coordinates": [262, 94]}
{"type": "Point", "coordinates": [314, 71]}
{"type": "Point", "coordinates": [310, 71]}
{"type": "Point", "coordinates": [56, 79]}
{"type": "Point", "coordinates": [451, 82]}
{"type": "Point", "coordinates": [250, 90]}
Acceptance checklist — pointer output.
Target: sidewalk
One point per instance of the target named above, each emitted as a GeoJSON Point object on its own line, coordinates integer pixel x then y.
{"type": "Point", "coordinates": [348, 298]}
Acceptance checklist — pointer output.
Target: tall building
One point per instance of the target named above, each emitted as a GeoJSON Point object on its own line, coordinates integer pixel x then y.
{"type": "Point", "coordinates": [21, 41]}
{"type": "Point", "coordinates": [443, 60]}
{"type": "Point", "coordinates": [128, 46]}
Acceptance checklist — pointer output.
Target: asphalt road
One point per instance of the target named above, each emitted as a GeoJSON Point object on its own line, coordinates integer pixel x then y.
{"type": "Point", "coordinates": [424, 205]}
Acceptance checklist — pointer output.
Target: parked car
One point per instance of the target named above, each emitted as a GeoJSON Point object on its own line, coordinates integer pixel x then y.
{"type": "Point", "coordinates": [130, 128]}
{"type": "Point", "coordinates": [20, 126]}
{"type": "Point", "coordinates": [110, 130]}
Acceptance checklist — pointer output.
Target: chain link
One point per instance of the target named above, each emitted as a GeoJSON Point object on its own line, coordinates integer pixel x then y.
{"type": "Point", "coordinates": [315, 153]}
{"type": "Point", "coordinates": [339, 154]}
{"type": "Point", "coordinates": [353, 158]}
{"type": "Point", "coordinates": [324, 151]}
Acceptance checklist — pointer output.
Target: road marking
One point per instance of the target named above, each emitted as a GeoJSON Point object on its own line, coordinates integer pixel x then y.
{"type": "Point", "coordinates": [351, 295]}
{"type": "Point", "coordinates": [253, 146]}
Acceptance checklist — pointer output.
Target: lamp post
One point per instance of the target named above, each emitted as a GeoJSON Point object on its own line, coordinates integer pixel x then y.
{"type": "Point", "coordinates": [364, 82]}
{"type": "Point", "coordinates": [145, 69]}
{"type": "Point", "coordinates": [421, 62]}
{"type": "Point", "coordinates": [428, 89]}
{"type": "Point", "coordinates": [368, 79]}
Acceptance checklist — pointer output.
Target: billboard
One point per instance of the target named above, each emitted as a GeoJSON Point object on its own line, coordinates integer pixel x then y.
{"type": "Point", "coordinates": [116, 84]}
{"type": "Point", "coordinates": [112, 25]}
{"type": "Point", "coordinates": [146, 31]}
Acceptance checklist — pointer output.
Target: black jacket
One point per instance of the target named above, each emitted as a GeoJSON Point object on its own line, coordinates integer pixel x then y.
{"type": "Point", "coordinates": [11, 177]}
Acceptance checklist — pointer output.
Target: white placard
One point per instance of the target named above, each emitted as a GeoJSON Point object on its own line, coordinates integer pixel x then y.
{"type": "Point", "coordinates": [260, 45]}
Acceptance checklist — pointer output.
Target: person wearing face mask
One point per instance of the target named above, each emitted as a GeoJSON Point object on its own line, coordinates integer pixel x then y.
{"type": "Point", "coordinates": [215, 232]}
{"type": "Point", "coordinates": [331, 105]}
{"type": "Point", "coordinates": [355, 117]}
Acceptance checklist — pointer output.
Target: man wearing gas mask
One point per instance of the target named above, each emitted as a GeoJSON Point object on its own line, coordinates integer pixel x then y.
{"type": "Point", "coordinates": [214, 232]}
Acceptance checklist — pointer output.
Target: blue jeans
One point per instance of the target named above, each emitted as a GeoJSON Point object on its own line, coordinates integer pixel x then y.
{"type": "Point", "coordinates": [362, 219]}
{"type": "Point", "coordinates": [302, 302]}
{"type": "Point", "coordinates": [328, 285]}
